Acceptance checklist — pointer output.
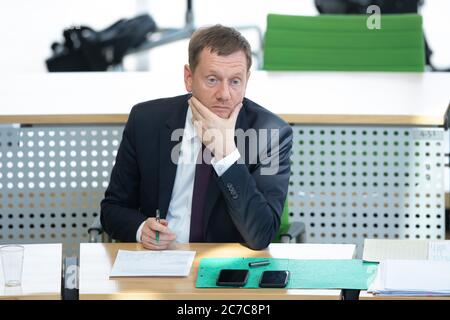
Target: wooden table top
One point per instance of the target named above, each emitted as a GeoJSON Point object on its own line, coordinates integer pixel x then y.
{"type": "Point", "coordinates": [97, 259]}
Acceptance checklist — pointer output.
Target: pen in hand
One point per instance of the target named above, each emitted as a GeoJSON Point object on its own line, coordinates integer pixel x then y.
{"type": "Point", "coordinates": [157, 220]}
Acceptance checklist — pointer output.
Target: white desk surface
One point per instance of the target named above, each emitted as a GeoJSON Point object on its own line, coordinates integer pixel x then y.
{"type": "Point", "coordinates": [97, 259]}
{"type": "Point", "coordinates": [41, 277]}
{"type": "Point", "coordinates": [298, 97]}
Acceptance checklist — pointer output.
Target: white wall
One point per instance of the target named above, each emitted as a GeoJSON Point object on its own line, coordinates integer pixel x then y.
{"type": "Point", "coordinates": [28, 27]}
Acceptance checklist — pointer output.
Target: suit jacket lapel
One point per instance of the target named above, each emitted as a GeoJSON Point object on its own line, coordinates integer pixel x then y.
{"type": "Point", "coordinates": [213, 187]}
{"type": "Point", "coordinates": [167, 165]}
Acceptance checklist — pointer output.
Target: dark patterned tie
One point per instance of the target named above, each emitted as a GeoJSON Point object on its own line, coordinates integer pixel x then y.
{"type": "Point", "coordinates": [202, 175]}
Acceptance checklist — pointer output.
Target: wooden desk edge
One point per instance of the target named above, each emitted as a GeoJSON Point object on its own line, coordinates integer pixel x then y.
{"type": "Point", "coordinates": [34, 296]}
{"type": "Point", "coordinates": [206, 296]}
{"type": "Point", "coordinates": [358, 119]}
{"type": "Point", "coordinates": [290, 118]}
{"type": "Point", "coordinates": [364, 295]}
{"type": "Point", "coordinates": [65, 119]}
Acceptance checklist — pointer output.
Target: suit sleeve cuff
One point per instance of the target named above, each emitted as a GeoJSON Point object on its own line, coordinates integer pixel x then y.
{"type": "Point", "coordinates": [222, 165]}
{"type": "Point", "coordinates": [139, 232]}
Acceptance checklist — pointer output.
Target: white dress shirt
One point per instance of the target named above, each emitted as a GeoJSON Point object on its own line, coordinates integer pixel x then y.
{"type": "Point", "coordinates": [179, 212]}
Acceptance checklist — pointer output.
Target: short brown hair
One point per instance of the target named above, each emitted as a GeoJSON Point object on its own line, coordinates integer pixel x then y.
{"type": "Point", "coordinates": [219, 39]}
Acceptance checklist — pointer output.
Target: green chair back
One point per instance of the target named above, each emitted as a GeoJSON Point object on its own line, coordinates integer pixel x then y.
{"type": "Point", "coordinates": [284, 225]}
{"type": "Point", "coordinates": [344, 43]}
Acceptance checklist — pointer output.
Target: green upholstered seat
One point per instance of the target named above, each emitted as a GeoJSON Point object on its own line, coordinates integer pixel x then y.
{"type": "Point", "coordinates": [290, 231]}
{"type": "Point", "coordinates": [344, 43]}
{"type": "Point", "coordinates": [284, 225]}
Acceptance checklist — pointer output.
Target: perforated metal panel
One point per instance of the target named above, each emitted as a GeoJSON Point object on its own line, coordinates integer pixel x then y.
{"type": "Point", "coordinates": [52, 180]}
{"type": "Point", "coordinates": [349, 183]}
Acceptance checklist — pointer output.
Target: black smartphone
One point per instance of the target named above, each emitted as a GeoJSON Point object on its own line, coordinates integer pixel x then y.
{"type": "Point", "coordinates": [274, 279]}
{"type": "Point", "coordinates": [232, 277]}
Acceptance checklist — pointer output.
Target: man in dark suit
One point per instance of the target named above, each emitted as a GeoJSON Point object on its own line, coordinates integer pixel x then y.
{"type": "Point", "coordinates": [215, 164]}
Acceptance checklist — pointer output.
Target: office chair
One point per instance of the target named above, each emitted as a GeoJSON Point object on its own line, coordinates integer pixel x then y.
{"type": "Point", "coordinates": [85, 49]}
{"type": "Point", "coordinates": [386, 7]}
{"type": "Point", "coordinates": [96, 233]}
{"type": "Point", "coordinates": [344, 43]}
{"type": "Point", "coordinates": [290, 232]}
{"type": "Point", "coordinates": [360, 6]}
{"type": "Point", "coordinates": [168, 35]}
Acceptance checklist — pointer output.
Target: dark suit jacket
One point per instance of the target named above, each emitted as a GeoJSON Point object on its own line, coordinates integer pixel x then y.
{"type": "Point", "coordinates": [241, 206]}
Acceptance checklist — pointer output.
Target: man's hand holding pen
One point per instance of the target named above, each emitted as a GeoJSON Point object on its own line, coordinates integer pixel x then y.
{"type": "Point", "coordinates": [149, 239]}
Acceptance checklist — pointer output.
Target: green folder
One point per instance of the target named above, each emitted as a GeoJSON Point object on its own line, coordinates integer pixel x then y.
{"type": "Point", "coordinates": [304, 274]}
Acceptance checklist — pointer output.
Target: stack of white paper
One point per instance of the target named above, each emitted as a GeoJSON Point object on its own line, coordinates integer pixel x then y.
{"type": "Point", "coordinates": [152, 263]}
{"type": "Point", "coordinates": [412, 277]}
{"type": "Point", "coordinates": [439, 250]}
{"type": "Point", "coordinates": [376, 250]}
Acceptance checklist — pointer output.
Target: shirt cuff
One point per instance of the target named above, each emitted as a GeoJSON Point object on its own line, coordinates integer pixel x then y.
{"type": "Point", "coordinates": [223, 164]}
{"type": "Point", "coordinates": [139, 232]}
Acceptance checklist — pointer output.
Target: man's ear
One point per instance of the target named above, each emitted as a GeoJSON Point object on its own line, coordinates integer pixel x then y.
{"type": "Point", "coordinates": [187, 78]}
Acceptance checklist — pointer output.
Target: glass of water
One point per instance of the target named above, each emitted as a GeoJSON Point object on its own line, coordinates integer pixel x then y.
{"type": "Point", "coordinates": [12, 264]}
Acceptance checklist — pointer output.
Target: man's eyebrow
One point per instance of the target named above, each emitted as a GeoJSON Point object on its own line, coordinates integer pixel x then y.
{"type": "Point", "coordinates": [237, 74]}
{"type": "Point", "coordinates": [216, 74]}
{"type": "Point", "coordinates": [211, 73]}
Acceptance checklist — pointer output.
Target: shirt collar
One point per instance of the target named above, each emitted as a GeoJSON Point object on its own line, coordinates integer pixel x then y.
{"type": "Point", "coordinates": [189, 130]}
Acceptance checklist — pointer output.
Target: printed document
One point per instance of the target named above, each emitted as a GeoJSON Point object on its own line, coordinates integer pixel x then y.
{"type": "Point", "coordinates": [167, 263]}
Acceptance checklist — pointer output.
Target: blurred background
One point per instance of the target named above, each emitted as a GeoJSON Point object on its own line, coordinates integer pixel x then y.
{"type": "Point", "coordinates": [28, 28]}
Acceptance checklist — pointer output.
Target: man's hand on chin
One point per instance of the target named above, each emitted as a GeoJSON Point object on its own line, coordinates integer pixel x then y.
{"type": "Point", "coordinates": [216, 133]}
